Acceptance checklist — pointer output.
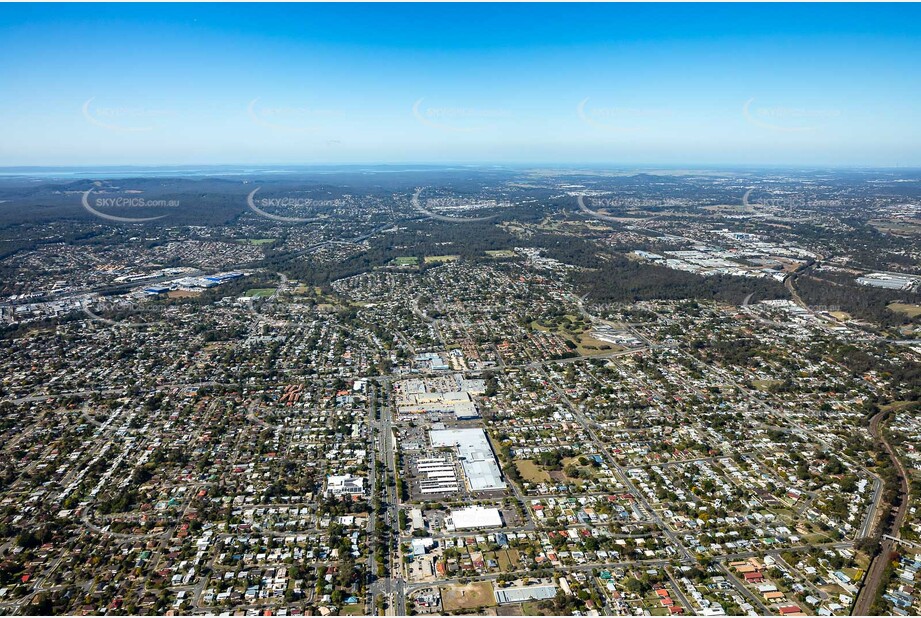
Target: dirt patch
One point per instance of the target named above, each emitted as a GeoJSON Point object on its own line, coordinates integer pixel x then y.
{"type": "Point", "coordinates": [182, 294]}
{"type": "Point", "coordinates": [471, 596]}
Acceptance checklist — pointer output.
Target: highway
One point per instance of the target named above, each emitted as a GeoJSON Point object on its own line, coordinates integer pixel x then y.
{"type": "Point", "coordinates": [873, 579]}
{"type": "Point", "coordinates": [394, 585]}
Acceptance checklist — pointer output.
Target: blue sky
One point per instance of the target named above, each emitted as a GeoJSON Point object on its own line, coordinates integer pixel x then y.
{"type": "Point", "coordinates": [651, 84]}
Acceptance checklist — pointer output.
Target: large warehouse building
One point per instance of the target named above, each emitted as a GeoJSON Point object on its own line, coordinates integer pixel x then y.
{"type": "Point", "coordinates": [473, 517]}
{"type": "Point", "coordinates": [520, 595]}
{"type": "Point", "coordinates": [479, 463]}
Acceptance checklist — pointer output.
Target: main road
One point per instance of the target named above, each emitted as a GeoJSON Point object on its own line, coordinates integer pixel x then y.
{"type": "Point", "coordinates": [874, 578]}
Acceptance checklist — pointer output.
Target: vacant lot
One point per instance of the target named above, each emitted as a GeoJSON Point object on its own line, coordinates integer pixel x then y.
{"type": "Point", "coordinates": [589, 346]}
{"type": "Point", "coordinates": [573, 462]}
{"type": "Point", "coordinates": [898, 405]}
{"type": "Point", "coordinates": [182, 294]}
{"type": "Point", "coordinates": [905, 227]}
{"type": "Point", "coordinates": [260, 292]}
{"type": "Point", "coordinates": [911, 311]}
{"type": "Point", "coordinates": [471, 596]}
{"type": "Point", "coordinates": [357, 609]}
{"type": "Point", "coordinates": [531, 472]}
{"type": "Point", "coordinates": [765, 385]}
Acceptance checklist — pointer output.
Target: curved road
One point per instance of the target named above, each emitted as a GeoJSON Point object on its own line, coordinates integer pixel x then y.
{"type": "Point", "coordinates": [873, 579]}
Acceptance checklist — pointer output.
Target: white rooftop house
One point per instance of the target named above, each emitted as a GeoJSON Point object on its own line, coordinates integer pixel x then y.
{"type": "Point", "coordinates": [346, 485]}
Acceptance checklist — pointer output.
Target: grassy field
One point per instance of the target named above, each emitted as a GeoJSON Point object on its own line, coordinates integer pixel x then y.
{"type": "Point", "coordinates": [531, 609]}
{"type": "Point", "coordinates": [854, 574]}
{"type": "Point", "coordinates": [906, 227]}
{"type": "Point", "coordinates": [259, 292]}
{"type": "Point", "coordinates": [579, 332]}
{"type": "Point", "coordinates": [352, 610]}
{"type": "Point", "coordinates": [470, 596]}
{"type": "Point", "coordinates": [586, 345]}
{"type": "Point", "coordinates": [897, 405]}
{"type": "Point", "coordinates": [501, 253]}
{"type": "Point", "coordinates": [256, 241]}
{"type": "Point", "coordinates": [764, 385]}
{"type": "Point", "coordinates": [911, 311]}
{"type": "Point", "coordinates": [406, 261]}
{"type": "Point", "coordinates": [531, 472]}
{"type": "Point", "coordinates": [440, 259]}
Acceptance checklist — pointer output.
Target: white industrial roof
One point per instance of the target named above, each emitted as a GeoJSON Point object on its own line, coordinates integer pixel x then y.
{"type": "Point", "coordinates": [530, 593]}
{"type": "Point", "coordinates": [476, 456]}
{"type": "Point", "coordinates": [476, 517]}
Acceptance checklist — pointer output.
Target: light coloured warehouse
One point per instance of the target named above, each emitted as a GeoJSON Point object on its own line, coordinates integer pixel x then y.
{"type": "Point", "coordinates": [475, 453]}
{"type": "Point", "coordinates": [520, 595]}
{"type": "Point", "coordinates": [888, 281]}
{"type": "Point", "coordinates": [473, 517]}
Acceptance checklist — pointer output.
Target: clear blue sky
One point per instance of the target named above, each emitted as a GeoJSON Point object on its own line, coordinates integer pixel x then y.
{"type": "Point", "coordinates": [828, 84]}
